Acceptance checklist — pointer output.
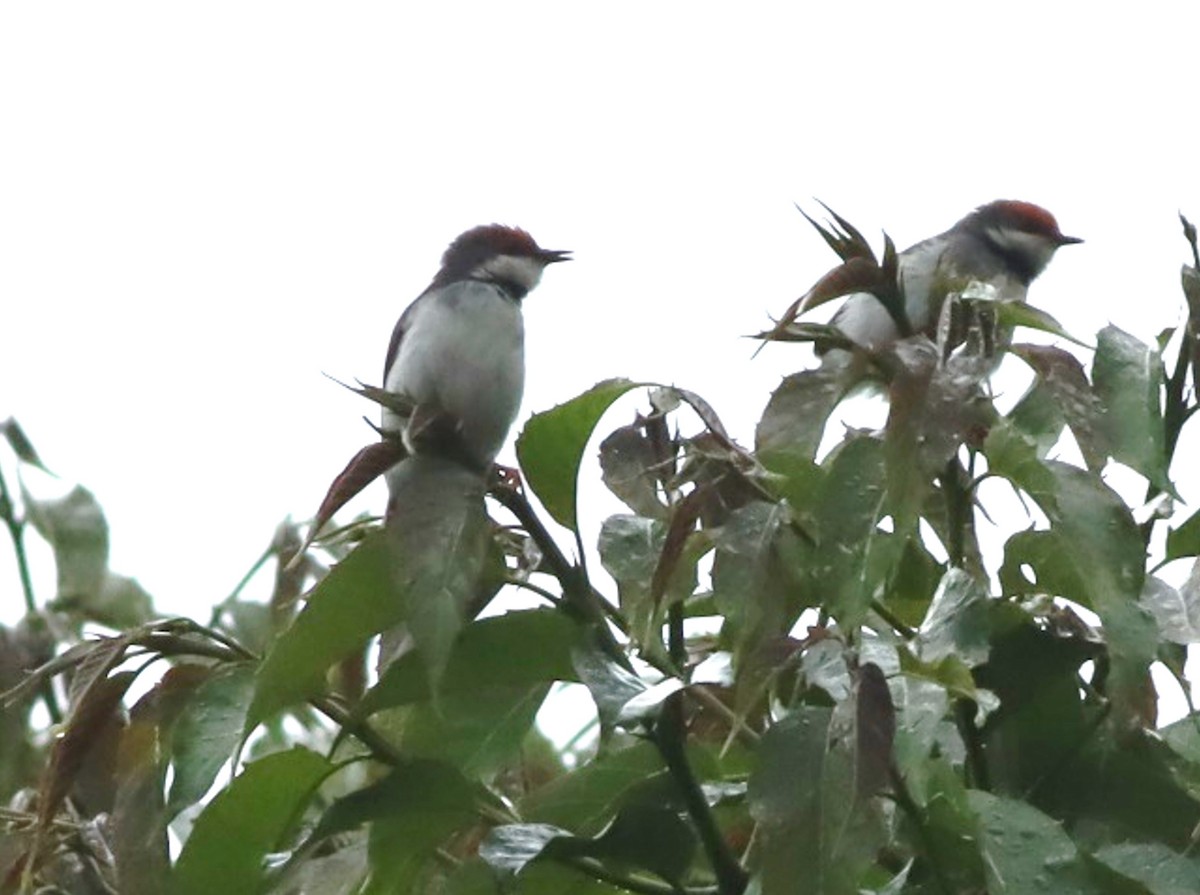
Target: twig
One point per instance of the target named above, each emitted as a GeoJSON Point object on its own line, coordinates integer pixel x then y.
{"type": "Point", "coordinates": [670, 737]}
{"type": "Point", "coordinates": [16, 530]}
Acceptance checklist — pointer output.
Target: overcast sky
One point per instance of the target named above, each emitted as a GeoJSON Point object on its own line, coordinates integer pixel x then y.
{"type": "Point", "coordinates": [205, 206]}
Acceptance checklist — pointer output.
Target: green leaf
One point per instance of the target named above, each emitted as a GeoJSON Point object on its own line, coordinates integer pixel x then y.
{"type": "Point", "coordinates": [639, 838]}
{"type": "Point", "coordinates": [630, 547]}
{"type": "Point", "coordinates": [412, 811]}
{"type": "Point", "coordinates": [351, 604]}
{"type": "Point", "coordinates": [750, 583]}
{"type": "Point", "coordinates": [848, 509]}
{"type": "Point", "coordinates": [644, 837]}
{"type": "Point", "coordinates": [438, 533]}
{"type": "Point", "coordinates": [510, 847]}
{"type": "Point", "coordinates": [610, 685]}
{"type": "Point", "coordinates": [1184, 540]}
{"type": "Point", "coordinates": [793, 422]}
{"type": "Point", "coordinates": [208, 732]}
{"type": "Point", "coordinates": [551, 446]}
{"type": "Point", "coordinates": [1128, 380]}
{"type": "Point", "coordinates": [1176, 612]}
{"type": "Point", "coordinates": [1061, 395]}
{"type": "Point", "coordinates": [1093, 544]}
{"type": "Point", "coordinates": [817, 836]}
{"type": "Point", "coordinates": [75, 528]}
{"type": "Point", "coordinates": [1014, 313]}
{"type": "Point", "coordinates": [1159, 869]}
{"type": "Point", "coordinates": [588, 797]}
{"type": "Point", "coordinates": [20, 444]}
{"type": "Point", "coordinates": [511, 650]}
{"type": "Point", "coordinates": [245, 822]}
{"type": "Point", "coordinates": [957, 621]}
{"type": "Point", "coordinates": [627, 464]}
{"type": "Point", "coordinates": [1024, 850]}
{"type": "Point", "coordinates": [478, 731]}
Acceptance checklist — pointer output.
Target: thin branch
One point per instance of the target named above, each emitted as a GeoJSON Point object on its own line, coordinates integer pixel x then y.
{"type": "Point", "coordinates": [16, 530]}
{"type": "Point", "coordinates": [670, 738]}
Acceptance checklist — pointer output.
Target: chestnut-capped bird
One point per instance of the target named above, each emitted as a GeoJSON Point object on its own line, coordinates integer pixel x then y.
{"type": "Point", "coordinates": [457, 351]}
{"type": "Point", "coordinates": [1002, 246]}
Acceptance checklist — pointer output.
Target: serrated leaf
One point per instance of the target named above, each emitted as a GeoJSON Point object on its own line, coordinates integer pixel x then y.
{"type": "Point", "coordinates": [749, 583]}
{"type": "Point", "coordinates": [551, 446]}
{"type": "Point", "coordinates": [478, 731]}
{"type": "Point", "coordinates": [1062, 384]}
{"type": "Point", "coordinates": [630, 547]}
{"type": "Point", "coordinates": [628, 466]}
{"type": "Point", "coordinates": [814, 838]}
{"type": "Point", "coordinates": [1093, 543]}
{"type": "Point", "coordinates": [411, 812]}
{"type": "Point", "coordinates": [1176, 612]}
{"type": "Point", "coordinates": [1024, 850]}
{"type": "Point", "coordinates": [1155, 866]}
{"type": "Point", "coordinates": [793, 422]}
{"type": "Point", "coordinates": [587, 797]}
{"type": "Point", "coordinates": [514, 649]}
{"type": "Point", "coordinates": [1128, 380]}
{"type": "Point", "coordinates": [243, 823]}
{"type": "Point", "coordinates": [511, 847]}
{"type": "Point", "coordinates": [610, 685]}
{"type": "Point", "coordinates": [351, 604]}
{"type": "Point", "coordinates": [957, 621]}
{"type": "Point", "coordinates": [848, 509]}
{"type": "Point", "coordinates": [207, 733]}
{"type": "Point", "coordinates": [1184, 540]}
{"type": "Point", "coordinates": [1015, 313]}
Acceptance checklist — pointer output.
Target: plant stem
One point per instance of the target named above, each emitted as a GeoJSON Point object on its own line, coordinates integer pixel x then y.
{"type": "Point", "coordinates": [670, 738]}
{"type": "Point", "coordinates": [579, 597]}
{"type": "Point", "coordinates": [16, 530]}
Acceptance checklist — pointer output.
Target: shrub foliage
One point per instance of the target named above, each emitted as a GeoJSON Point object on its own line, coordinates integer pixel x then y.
{"type": "Point", "coordinates": [833, 664]}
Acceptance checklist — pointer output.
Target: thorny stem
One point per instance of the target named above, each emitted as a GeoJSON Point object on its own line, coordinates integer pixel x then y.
{"type": "Point", "coordinates": [578, 593]}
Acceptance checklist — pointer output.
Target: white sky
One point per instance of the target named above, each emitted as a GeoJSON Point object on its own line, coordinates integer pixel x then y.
{"type": "Point", "coordinates": [204, 206]}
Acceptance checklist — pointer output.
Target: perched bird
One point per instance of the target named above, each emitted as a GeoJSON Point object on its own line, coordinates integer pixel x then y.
{"type": "Point", "coordinates": [457, 351]}
{"type": "Point", "coordinates": [1002, 246]}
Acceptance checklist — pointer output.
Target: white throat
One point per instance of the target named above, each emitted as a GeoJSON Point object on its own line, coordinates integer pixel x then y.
{"type": "Point", "coordinates": [526, 272]}
{"type": "Point", "coordinates": [1037, 249]}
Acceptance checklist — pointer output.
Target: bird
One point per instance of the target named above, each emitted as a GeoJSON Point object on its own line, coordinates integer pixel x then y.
{"type": "Point", "coordinates": [1004, 245]}
{"type": "Point", "coordinates": [457, 352]}
{"type": "Point", "coordinates": [1001, 246]}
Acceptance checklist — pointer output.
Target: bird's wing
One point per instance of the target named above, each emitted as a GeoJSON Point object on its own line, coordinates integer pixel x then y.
{"type": "Point", "coordinates": [402, 326]}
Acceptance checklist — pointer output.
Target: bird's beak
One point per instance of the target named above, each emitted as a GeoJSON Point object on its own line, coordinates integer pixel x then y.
{"type": "Point", "coordinates": [1068, 240]}
{"type": "Point", "coordinates": [551, 256]}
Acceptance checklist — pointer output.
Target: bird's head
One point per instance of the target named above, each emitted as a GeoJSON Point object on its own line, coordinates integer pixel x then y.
{"type": "Point", "coordinates": [1025, 234]}
{"type": "Point", "coordinates": [507, 255]}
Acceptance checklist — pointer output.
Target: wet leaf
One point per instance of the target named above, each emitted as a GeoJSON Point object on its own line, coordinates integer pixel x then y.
{"type": "Point", "coordinates": [552, 444]}
{"type": "Point", "coordinates": [1128, 380]}
{"type": "Point", "coordinates": [628, 464]}
{"type": "Point", "coordinates": [1024, 850]}
{"type": "Point", "coordinates": [207, 733]}
{"type": "Point", "coordinates": [244, 822]}
{"type": "Point", "coordinates": [793, 422]}
{"type": "Point", "coordinates": [325, 630]}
